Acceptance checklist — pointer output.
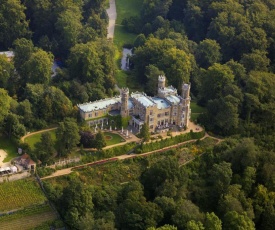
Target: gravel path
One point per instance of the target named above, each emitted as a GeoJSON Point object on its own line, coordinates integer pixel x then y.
{"type": "Point", "coordinates": [41, 131]}
{"type": "Point", "coordinates": [112, 19]}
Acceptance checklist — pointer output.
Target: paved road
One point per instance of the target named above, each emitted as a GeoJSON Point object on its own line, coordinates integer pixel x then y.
{"type": "Point", "coordinates": [112, 19]}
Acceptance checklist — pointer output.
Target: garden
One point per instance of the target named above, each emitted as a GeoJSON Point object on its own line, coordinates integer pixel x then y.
{"type": "Point", "coordinates": [112, 138]}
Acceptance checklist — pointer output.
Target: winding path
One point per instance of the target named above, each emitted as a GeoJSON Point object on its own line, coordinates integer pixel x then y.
{"type": "Point", "coordinates": [123, 157]}
{"type": "Point", "coordinates": [40, 131]}
{"type": "Point", "coordinates": [112, 19]}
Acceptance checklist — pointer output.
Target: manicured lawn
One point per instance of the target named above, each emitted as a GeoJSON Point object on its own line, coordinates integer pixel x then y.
{"type": "Point", "coordinates": [31, 140]}
{"type": "Point", "coordinates": [112, 138]}
{"type": "Point", "coordinates": [10, 146]}
{"type": "Point", "coordinates": [196, 108]}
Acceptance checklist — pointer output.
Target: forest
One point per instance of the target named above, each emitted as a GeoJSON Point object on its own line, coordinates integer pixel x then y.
{"type": "Point", "coordinates": [224, 48]}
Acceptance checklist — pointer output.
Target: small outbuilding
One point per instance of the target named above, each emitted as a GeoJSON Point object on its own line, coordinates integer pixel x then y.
{"type": "Point", "coordinates": [26, 162]}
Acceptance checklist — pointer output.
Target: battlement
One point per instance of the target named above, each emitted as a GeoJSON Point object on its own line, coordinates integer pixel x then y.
{"type": "Point", "coordinates": [124, 91]}
{"type": "Point", "coordinates": [161, 78]}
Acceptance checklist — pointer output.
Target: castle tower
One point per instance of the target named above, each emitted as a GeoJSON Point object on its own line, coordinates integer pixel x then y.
{"type": "Point", "coordinates": [124, 111]}
{"type": "Point", "coordinates": [185, 91]}
{"type": "Point", "coordinates": [161, 82]}
{"type": "Point", "coordinates": [186, 103]}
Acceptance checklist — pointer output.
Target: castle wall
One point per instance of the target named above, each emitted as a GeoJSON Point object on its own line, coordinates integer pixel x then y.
{"type": "Point", "coordinates": [148, 110]}
{"type": "Point", "coordinates": [100, 112]}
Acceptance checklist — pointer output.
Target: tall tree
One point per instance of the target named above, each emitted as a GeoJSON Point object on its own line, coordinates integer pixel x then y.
{"type": "Point", "coordinates": [214, 80]}
{"type": "Point", "coordinates": [100, 141]}
{"type": "Point", "coordinates": [38, 68]}
{"type": "Point", "coordinates": [5, 101]}
{"type": "Point", "coordinates": [212, 222]}
{"type": "Point", "coordinates": [44, 149]}
{"type": "Point", "coordinates": [6, 71]}
{"type": "Point", "coordinates": [69, 27]}
{"type": "Point", "coordinates": [13, 127]}
{"type": "Point", "coordinates": [67, 136]}
{"type": "Point", "coordinates": [207, 53]}
{"type": "Point", "coordinates": [13, 23]}
{"type": "Point", "coordinates": [145, 132]}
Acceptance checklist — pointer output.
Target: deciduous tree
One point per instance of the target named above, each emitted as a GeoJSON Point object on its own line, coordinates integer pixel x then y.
{"type": "Point", "coordinates": [67, 136]}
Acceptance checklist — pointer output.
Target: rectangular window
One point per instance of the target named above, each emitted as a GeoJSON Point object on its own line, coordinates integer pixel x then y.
{"type": "Point", "coordinates": [151, 126]}
{"type": "Point", "coordinates": [151, 112]}
{"type": "Point", "coordinates": [95, 114]}
{"type": "Point", "coordinates": [166, 113]}
{"type": "Point", "coordinates": [90, 114]}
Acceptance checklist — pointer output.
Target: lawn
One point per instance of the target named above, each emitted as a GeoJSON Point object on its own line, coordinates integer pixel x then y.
{"type": "Point", "coordinates": [112, 138]}
{"type": "Point", "coordinates": [121, 78]}
{"type": "Point", "coordinates": [196, 108]}
{"type": "Point", "coordinates": [10, 146]}
{"type": "Point", "coordinates": [194, 116]}
{"type": "Point", "coordinates": [122, 37]}
{"type": "Point", "coordinates": [31, 140]}
{"type": "Point", "coordinates": [20, 194]}
{"type": "Point", "coordinates": [127, 8]}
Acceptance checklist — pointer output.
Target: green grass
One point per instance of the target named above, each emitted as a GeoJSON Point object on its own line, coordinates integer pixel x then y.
{"type": "Point", "coordinates": [31, 140]}
{"type": "Point", "coordinates": [121, 78]}
{"type": "Point", "coordinates": [194, 116]}
{"type": "Point", "coordinates": [9, 146]}
{"type": "Point", "coordinates": [196, 108]}
{"type": "Point", "coordinates": [127, 8]}
{"type": "Point", "coordinates": [20, 194]}
{"type": "Point", "coordinates": [115, 138]}
{"type": "Point", "coordinates": [122, 37]}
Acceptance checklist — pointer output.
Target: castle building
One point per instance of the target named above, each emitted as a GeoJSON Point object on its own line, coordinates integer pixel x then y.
{"type": "Point", "coordinates": [160, 112]}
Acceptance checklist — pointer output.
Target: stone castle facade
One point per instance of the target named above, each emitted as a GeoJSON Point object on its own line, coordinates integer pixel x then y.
{"type": "Point", "coordinates": [160, 112]}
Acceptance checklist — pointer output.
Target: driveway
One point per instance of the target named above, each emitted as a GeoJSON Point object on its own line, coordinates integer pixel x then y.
{"type": "Point", "coordinates": [112, 19]}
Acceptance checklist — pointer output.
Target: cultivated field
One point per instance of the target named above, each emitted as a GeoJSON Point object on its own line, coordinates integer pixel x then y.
{"type": "Point", "coordinates": [20, 194]}
{"type": "Point", "coordinates": [37, 216]}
